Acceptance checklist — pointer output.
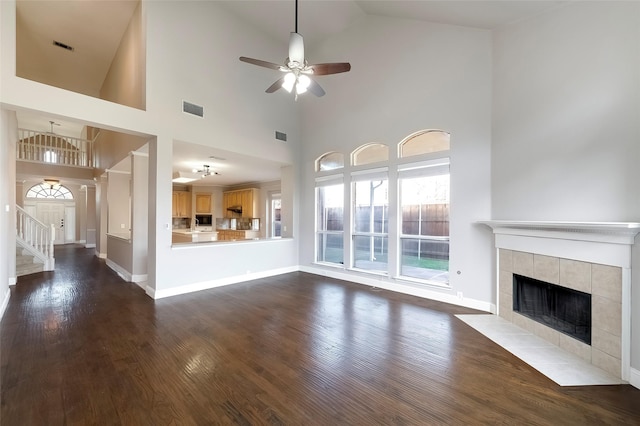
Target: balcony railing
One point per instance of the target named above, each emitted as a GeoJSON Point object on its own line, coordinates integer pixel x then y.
{"type": "Point", "coordinates": [44, 147]}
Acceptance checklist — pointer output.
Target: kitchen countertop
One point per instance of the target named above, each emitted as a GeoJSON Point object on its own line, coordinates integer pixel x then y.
{"type": "Point", "coordinates": [195, 231]}
{"type": "Point", "coordinates": [194, 244]}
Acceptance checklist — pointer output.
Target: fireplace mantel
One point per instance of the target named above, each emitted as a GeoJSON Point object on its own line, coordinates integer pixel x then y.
{"type": "Point", "coordinates": [610, 232]}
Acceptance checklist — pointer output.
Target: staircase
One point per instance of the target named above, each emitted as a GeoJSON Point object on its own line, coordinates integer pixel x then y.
{"type": "Point", "coordinates": [34, 244]}
{"type": "Point", "coordinates": [26, 263]}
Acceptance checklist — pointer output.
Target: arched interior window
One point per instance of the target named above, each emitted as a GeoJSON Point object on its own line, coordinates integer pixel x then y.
{"type": "Point", "coordinates": [425, 143]}
{"type": "Point", "coordinates": [370, 153]}
{"type": "Point", "coordinates": [330, 161]}
{"type": "Point", "coordinates": [43, 190]}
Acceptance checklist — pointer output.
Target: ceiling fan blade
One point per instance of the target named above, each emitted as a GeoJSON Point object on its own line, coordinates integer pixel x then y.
{"type": "Point", "coordinates": [296, 48]}
{"type": "Point", "coordinates": [315, 88]}
{"type": "Point", "coordinates": [275, 86]}
{"type": "Point", "coordinates": [331, 68]}
{"type": "Point", "coordinates": [260, 63]}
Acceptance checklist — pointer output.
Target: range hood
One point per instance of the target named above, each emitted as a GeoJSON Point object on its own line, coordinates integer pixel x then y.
{"type": "Point", "coordinates": [235, 209]}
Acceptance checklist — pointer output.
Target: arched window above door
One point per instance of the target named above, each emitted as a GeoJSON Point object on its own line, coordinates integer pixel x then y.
{"type": "Point", "coordinates": [44, 190]}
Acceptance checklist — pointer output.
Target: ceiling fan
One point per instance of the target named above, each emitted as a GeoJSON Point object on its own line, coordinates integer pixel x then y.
{"type": "Point", "coordinates": [206, 171]}
{"type": "Point", "coordinates": [296, 68]}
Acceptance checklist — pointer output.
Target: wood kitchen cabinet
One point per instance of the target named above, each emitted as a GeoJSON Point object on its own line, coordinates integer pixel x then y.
{"type": "Point", "coordinates": [203, 203]}
{"type": "Point", "coordinates": [247, 198]}
{"type": "Point", "coordinates": [181, 204]}
{"type": "Point", "coordinates": [234, 235]}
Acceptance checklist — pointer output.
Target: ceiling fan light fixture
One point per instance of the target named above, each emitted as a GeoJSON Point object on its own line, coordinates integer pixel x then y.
{"type": "Point", "coordinates": [302, 84]}
{"type": "Point", "coordinates": [296, 66]}
{"type": "Point", "coordinates": [289, 81]}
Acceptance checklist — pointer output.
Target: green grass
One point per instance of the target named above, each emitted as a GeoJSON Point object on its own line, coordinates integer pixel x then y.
{"type": "Point", "coordinates": [334, 255]}
{"type": "Point", "coordinates": [426, 263]}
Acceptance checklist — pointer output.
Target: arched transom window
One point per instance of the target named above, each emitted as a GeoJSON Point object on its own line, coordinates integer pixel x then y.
{"type": "Point", "coordinates": [425, 143]}
{"type": "Point", "coordinates": [43, 190]}
{"type": "Point", "coordinates": [370, 153]}
{"type": "Point", "coordinates": [330, 161]}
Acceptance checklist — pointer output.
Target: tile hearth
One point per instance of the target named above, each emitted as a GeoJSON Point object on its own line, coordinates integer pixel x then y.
{"type": "Point", "coordinates": [562, 367]}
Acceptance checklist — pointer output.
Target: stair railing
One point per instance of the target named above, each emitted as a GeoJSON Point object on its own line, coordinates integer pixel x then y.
{"type": "Point", "coordinates": [35, 237]}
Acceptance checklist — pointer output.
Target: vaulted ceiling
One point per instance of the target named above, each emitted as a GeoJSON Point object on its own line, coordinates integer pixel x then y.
{"type": "Point", "coordinates": [94, 29]}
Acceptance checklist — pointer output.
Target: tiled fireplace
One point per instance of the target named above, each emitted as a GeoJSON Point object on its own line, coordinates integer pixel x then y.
{"type": "Point", "coordinates": [602, 282]}
{"type": "Point", "coordinates": [593, 258]}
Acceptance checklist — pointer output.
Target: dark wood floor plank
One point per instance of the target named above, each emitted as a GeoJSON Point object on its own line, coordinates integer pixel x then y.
{"type": "Point", "coordinates": [82, 347]}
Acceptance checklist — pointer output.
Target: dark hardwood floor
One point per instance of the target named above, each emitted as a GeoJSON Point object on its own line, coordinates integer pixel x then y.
{"type": "Point", "coordinates": [82, 347]}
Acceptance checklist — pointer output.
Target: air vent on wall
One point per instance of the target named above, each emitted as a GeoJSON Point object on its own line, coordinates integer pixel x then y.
{"type": "Point", "coordinates": [281, 136]}
{"type": "Point", "coordinates": [193, 109]}
{"type": "Point", "coordinates": [64, 46]}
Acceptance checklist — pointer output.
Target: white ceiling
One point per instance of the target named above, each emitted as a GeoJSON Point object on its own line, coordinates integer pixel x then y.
{"type": "Point", "coordinates": [233, 168]}
{"type": "Point", "coordinates": [319, 19]}
{"type": "Point", "coordinates": [94, 28]}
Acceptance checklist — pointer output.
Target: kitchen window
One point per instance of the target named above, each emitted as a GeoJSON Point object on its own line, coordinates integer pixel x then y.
{"type": "Point", "coordinates": [276, 221]}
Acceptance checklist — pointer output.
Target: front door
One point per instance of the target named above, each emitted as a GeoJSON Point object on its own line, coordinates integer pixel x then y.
{"type": "Point", "coordinates": [52, 213]}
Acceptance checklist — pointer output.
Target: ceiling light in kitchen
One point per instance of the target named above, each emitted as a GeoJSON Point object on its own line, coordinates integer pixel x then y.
{"type": "Point", "coordinates": [185, 177]}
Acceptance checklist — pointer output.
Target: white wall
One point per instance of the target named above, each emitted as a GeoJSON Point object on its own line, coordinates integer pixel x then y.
{"type": "Point", "coordinates": [8, 138]}
{"type": "Point", "coordinates": [119, 202]}
{"type": "Point", "coordinates": [408, 76]}
{"type": "Point", "coordinates": [139, 214]}
{"type": "Point", "coordinates": [238, 116]}
{"type": "Point", "coordinates": [566, 121]}
{"type": "Point", "coordinates": [566, 115]}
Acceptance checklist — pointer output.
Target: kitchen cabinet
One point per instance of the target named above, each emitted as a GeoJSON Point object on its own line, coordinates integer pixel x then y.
{"type": "Point", "coordinates": [247, 198]}
{"type": "Point", "coordinates": [181, 204]}
{"type": "Point", "coordinates": [185, 236]}
{"type": "Point", "coordinates": [203, 203]}
{"type": "Point", "coordinates": [235, 235]}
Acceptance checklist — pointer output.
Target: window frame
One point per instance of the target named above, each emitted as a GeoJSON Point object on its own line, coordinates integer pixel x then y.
{"type": "Point", "coordinates": [368, 175]}
{"type": "Point", "coordinates": [335, 179]}
{"type": "Point", "coordinates": [413, 169]}
{"type": "Point", "coordinates": [49, 192]}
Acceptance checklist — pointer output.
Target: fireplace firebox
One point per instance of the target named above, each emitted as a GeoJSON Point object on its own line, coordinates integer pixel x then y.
{"type": "Point", "coordinates": [563, 309]}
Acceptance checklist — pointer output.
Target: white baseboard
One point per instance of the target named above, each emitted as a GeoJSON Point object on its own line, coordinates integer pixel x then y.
{"type": "Point", "coordinates": [634, 377]}
{"type": "Point", "coordinates": [123, 273]}
{"type": "Point", "coordinates": [151, 292]}
{"type": "Point", "coordinates": [140, 279]}
{"type": "Point", "coordinates": [101, 255]}
{"type": "Point", "coordinates": [89, 246]}
{"type": "Point", "coordinates": [13, 280]}
{"type": "Point", "coordinates": [205, 285]}
{"type": "Point", "coordinates": [5, 303]}
{"type": "Point", "coordinates": [397, 286]}
{"type": "Point", "coordinates": [401, 287]}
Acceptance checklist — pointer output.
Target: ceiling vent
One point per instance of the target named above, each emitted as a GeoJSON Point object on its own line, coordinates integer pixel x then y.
{"type": "Point", "coordinates": [281, 136]}
{"type": "Point", "coordinates": [64, 46]}
{"type": "Point", "coordinates": [192, 109]}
